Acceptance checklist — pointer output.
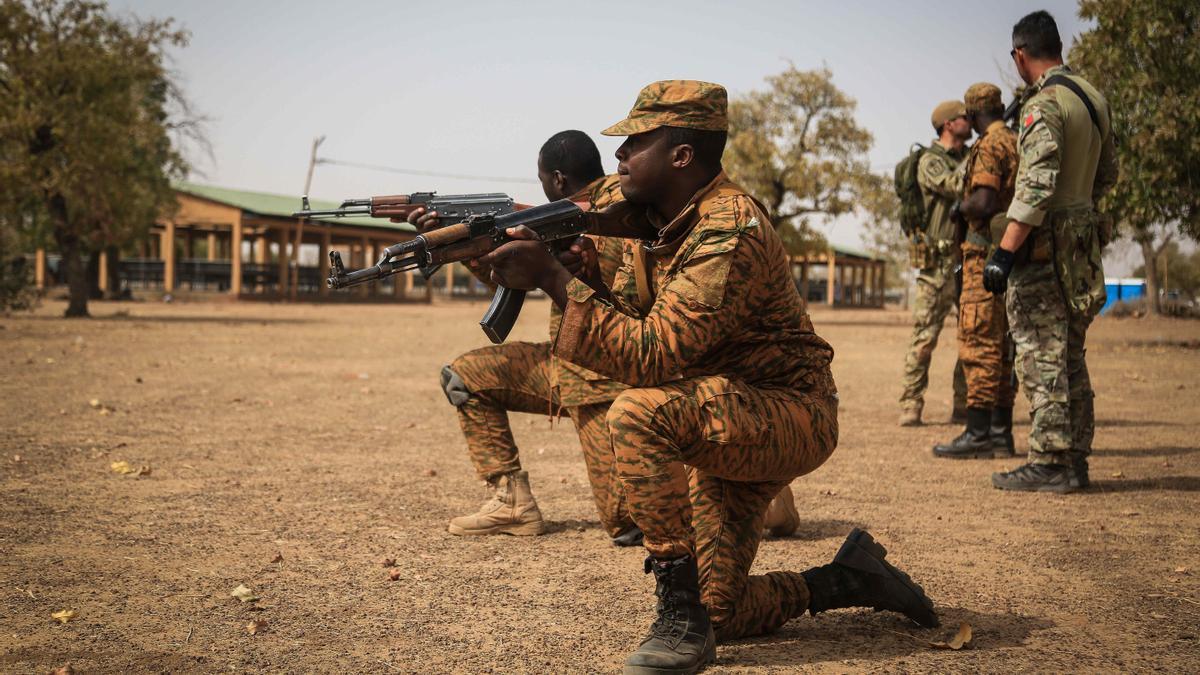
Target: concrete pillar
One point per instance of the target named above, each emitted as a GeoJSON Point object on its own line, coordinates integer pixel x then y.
{"type": "Point", "coordinates": [449, 280]}
{"type": "Point", "coordinates": [281, 264]}
{"type": "Point", "coordinates": [39, 268]}
{"type": "Point", "coordinates": [102, 270]}
{"type": "Point", "coordinates": [235, 257]}
{"type": "Point", "coordinates": [212, 246]}
{"type": "Point", "coordinates": [168, 255]}
{"type": "Point", "coordinates": [323, 262]}
{"type": "Point", "coordinates": [829, 283]}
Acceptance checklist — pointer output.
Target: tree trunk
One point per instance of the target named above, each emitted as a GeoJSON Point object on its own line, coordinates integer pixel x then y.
{"type": "Point", "coordinates": [1150, 262]}
{"type": "Point", "coordinates": [72, 261]}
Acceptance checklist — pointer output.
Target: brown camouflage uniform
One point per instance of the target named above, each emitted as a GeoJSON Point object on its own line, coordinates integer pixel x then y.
{"type": "Point", "coordinates": [526, 377]}
{"type": "Point", "coordinates": [984, 345]}
{"type": "Point", "coordinates": [732, 394]}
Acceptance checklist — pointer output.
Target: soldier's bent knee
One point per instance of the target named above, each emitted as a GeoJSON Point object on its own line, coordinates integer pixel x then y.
{"type": "Point", "coordinates": [456, 390]}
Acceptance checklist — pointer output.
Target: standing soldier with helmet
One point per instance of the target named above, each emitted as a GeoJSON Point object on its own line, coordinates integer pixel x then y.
{"type": "Point", "coordinates": [984, 347]}
{"type": "Point", "coordinates": [1050, 256]}
{"type": "Point", "coordinates": [933, 255]}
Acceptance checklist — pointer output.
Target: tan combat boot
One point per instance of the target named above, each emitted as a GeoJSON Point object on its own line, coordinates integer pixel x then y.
{"type": "Point", "coordinates": [910, 415]}
{"type": "Point", "coordinates": [511, 510]}
{"type": "Point", "coordinates": [782, 518]}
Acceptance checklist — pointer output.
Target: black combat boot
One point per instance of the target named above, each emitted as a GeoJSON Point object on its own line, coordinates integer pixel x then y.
{"type": "Point", "coordinates": [630, 537]}
{"type": "Point", "coordinates": [860, 577]}
{"type": "Point", "coordinates": [1058, 478]}
{"type": "Point", "coordinates": [1001, 432]}
{"type": "Point", "coordinates": [681, 639]}
{"type": "Point", "coordinates": [975, 442]}
{"type": "Point", "coordinates": [1079, 463]}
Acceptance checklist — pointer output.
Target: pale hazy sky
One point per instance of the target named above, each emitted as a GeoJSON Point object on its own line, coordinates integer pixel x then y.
{"type": "Point", "coordinates": [476, 87]}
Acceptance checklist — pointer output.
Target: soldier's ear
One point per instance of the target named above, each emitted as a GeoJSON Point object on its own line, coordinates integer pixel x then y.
{"type": "Point", "coordinates": [560, 182]}
{"type": "Point", "coordinates": [682, 156]}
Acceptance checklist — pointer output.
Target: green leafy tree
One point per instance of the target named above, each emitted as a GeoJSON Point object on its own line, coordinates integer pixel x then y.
{"type": "Point", "coordinates": [1145, 57]}
{"type": "Point", "coordinates": [90, 122]}
{"type": "Point", "coordinates": [797, 147]}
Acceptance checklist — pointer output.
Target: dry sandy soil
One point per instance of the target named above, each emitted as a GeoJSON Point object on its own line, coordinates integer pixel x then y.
{"type": "Point", "coordinates": [291, 448]}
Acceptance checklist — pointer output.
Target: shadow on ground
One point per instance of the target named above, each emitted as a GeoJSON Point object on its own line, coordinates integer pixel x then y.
{"type": "Point", "coordinates": [842, 636]}
{"type": "Point", "coordinates": [1160, 483]}
{"type": "Point", "coordinates": [1164, 451]}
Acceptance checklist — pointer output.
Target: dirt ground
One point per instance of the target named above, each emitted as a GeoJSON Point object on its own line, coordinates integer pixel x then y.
{"type": "Point", "coordinates": [291, 448]}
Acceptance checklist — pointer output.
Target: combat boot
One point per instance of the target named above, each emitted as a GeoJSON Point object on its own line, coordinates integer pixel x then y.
{"type": "Point", "coordinates": [1001, 433]}
{"type": "Point", "coordinates": [1058, 478]}
{"type": "Point", "coordinates": [681, 639]}
{"type": "Point", "coordinates": [511, 510]}
{"type": "Point", "coordinates": [910, 414]}
{"type": "Point", "coordinates": [859, 576]}
{"type": "Point", "coordinates": [1080, 464]}
{"type": "Point", "coordinates": [959, 414]}
{"type": "Point", "coordinates": [782, 518]}
{"type": "Point", "coordinates": [973, 443]}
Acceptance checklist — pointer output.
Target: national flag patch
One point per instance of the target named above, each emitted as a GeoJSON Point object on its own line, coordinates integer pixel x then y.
{"type": "Point", "coordinates": [1029, 119]}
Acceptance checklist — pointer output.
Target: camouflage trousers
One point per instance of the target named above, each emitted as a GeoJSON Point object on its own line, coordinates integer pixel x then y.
{"type": "Point", "coordinates": [984, 347]}
{"type": "Point", "coordinates": [933, 300]}
{"type": "Point", "coordinates": [516, 377]}
{"type": "Point", "coordinates": [1051, 362]}
{"type": "Point", "coordinates": [728, 449]}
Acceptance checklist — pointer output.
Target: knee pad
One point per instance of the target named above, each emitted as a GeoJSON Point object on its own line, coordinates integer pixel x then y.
{"type": "Point", "coordinates": [456, 390]}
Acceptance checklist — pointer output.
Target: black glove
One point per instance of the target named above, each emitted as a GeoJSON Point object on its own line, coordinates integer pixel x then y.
{"type": "Point", "coordinates": [995, 273]}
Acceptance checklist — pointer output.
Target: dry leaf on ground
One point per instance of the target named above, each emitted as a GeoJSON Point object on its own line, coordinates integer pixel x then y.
{"type": "Point", "coordinates": [63, 616]}
{"type": "Point", "coordinates": [961, 639]}
{"type": "Point", "coordinates": [244, 594]}
{"type": "Point", "coordinates": [387, 562]}
{"type": "Point", "coordinates": [395, 575]}
{"type": "Point", "coordinates": [278, 558]}
{"type": "Point", "coordinates": [256, 627]}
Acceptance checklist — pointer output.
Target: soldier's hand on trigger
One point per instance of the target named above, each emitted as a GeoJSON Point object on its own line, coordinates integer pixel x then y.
{"type": "Point", "coordinates": [524, 263]}
{"type": "Point", "coordinates": [581, 259]}
{"type": "Point", "coordinates": [422, 219]}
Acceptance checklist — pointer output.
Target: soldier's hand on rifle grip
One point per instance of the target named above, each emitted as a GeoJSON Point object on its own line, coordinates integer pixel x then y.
{"type": "Point", "coordinates": [524, 264]}
{"type": "Point", "coordinates": [423, 220]}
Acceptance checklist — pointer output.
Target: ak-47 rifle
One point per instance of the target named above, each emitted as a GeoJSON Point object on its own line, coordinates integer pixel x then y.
{"type": "Point", "coordinates": [450, 209]}
{"type": "Point", "coordinates": [480, 234]}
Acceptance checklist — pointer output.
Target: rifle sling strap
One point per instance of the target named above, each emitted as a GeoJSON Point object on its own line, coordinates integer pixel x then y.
{"type": "Point", "coordinates": [1078, 91]}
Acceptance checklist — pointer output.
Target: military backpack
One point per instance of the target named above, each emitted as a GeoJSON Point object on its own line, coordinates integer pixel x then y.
{"type": "Point", "coordinates": [908, 189]}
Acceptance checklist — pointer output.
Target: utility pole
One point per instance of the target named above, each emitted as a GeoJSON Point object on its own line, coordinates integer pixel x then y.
{"type": "Point", "coordinates": [294, 285]}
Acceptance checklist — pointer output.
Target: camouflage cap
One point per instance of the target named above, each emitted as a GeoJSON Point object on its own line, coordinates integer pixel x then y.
{"type": "Point", "coordinates": [946, 111]}
{"type": "Point", "coordinates": [676, 103]}
{"type": "Point", "coordinates": [982, 96]}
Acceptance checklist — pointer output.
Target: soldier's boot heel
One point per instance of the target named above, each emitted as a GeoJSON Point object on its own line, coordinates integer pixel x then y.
{"type": "Point", "coordinates": [782, 518]}
{"type": "Point", "coordinates": [974, 442]}
{"type": "Point", "coordinates": [1001, 433]}
{"type": "Point", "coordinates": [860, 576]}
{"type": "Point", "coordinates": [681, 639]}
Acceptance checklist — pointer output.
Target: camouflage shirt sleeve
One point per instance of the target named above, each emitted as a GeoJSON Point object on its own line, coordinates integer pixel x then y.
{"type": "Point", "coordinates": [990, 165]}
{"type": "Point", "coordinates": [1108, 169]}
{"type": "Point", "coordinates": [692, 314]}
{"type": "Point", "coordinates": [1040, 147]}
{"type": "Point", "coordinates": [937, 176]}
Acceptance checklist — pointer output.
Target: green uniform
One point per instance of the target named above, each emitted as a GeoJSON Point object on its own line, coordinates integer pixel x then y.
{"type": "Point", "coordinates": [1057, 284]}
{"type": "Point", "coordinates": [940, 184]}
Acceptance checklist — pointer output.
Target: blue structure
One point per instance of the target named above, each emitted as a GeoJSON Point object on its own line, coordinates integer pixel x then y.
{"type": "Point", "coordinates": [1122, 290]}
